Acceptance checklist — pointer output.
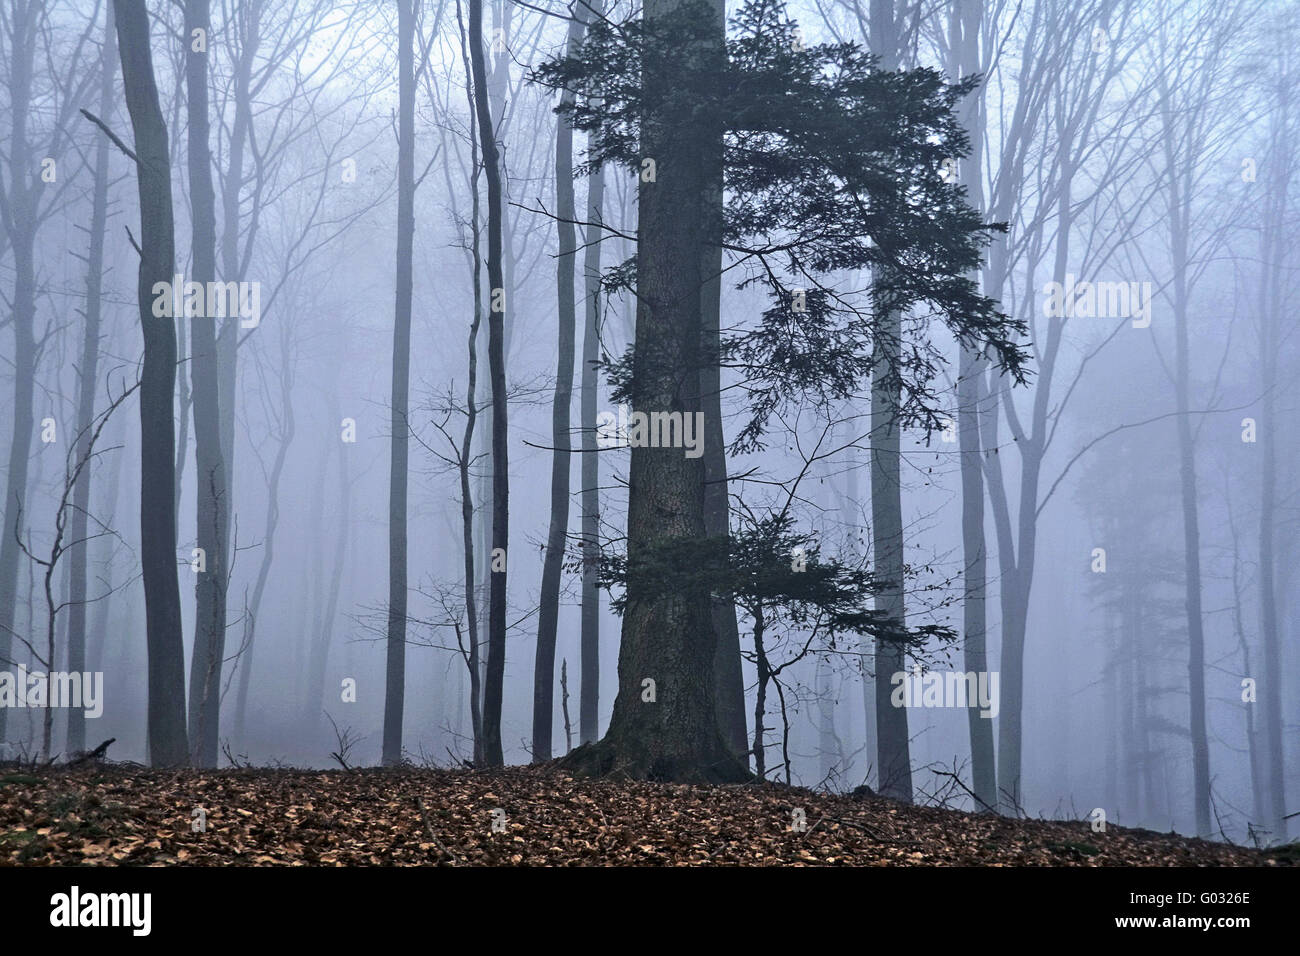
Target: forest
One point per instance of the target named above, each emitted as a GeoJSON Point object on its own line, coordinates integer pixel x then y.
{"type": "Point", "coordinates": [864, 415]}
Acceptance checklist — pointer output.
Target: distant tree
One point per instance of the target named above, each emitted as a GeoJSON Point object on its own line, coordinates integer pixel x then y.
{"type": "Point", "coordinates": [88, 371]}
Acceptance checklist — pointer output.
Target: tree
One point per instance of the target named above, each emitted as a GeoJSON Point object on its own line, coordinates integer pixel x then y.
{"type": "Point", "coordinates": [88, 376]}
{"type": "Point", "coordinates": [496, 658]}
{"type": "Point", "coordinates": [966, 24]}
{"type": "Point", "coordinates": [395, 687]}
{"type": "Point", "coordinates": [168, 745]}
{"type": "Point", "coordinates": [561, 409]}
{"type": "Point", "coordinates": [833, 185]}
{"type": "Point", "coordinates": [26, 203]}
{"type": "Point", "coordinates": [212, 499]}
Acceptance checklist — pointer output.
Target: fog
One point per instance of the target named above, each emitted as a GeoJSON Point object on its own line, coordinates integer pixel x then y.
{"type": "Point", "coordinates": [1138, 490]}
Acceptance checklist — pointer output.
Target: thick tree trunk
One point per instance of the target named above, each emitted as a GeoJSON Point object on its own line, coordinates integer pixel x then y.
{"type": "Point", "coordinates": [664, 724]}
{"type": "Point", "coordinates": [210, 471]}
{"type": "Point", "coordinates": [86, 386]}
{"type": "Point", "coordinates": [395, 687]}
{"type": "Point", "coordinates": [166, 655]}
{"type": "Point", "coordinates": [496, 656]}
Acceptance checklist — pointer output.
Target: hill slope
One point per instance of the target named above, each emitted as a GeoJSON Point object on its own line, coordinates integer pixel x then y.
{"type": "Point", "coordinates": [118, 814]}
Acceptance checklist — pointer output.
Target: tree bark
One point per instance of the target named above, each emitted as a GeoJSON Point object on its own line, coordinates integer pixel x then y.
{"type": "Point", "coordinates": [210, 471]}
{"type": "Point", "coordinates": [496, 656]}
{"type": "Point", "coordinates": [589, 701]}
{"type": "Point", "coordinates": [717, 523]}
{"type": "Point", "coordinates": [167, 733]}
{"type": "Point", "coordinates": [395, 686]}
{"type": "Point", "coordinates": [673, 733]}
{"type": "Point", "coordinates": [966, 24]}
{"type": "Point", "coordinates": [22, 234]}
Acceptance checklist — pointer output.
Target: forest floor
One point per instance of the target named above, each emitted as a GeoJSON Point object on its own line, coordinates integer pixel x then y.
{"type": "Point", "coordinates": [109, 814]}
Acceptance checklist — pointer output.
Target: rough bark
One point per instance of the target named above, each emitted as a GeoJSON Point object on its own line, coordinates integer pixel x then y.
{"type": "Point", "coordinates": [667, 637]}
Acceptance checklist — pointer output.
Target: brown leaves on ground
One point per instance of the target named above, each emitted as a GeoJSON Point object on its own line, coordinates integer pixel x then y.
{"type": "Point", "coordinates": [124, 815]}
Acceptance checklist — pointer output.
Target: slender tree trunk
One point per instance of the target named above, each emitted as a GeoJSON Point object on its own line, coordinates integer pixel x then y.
{"type": "Point", "coordinates": [966, 24]}
{"type": "Point", "coordinates": [318, 659]}
{"type": "Point", "coordinates": [894, 762]}
{"type": "Point", "coordinates": [395, 688]}
{"type": "Point", "coordinates": [268, 546]}
{"type": "Point", "coordinates": [1179, 208]}
{"type": "Point", "coordinates": [210, 471]}
{"type": "Point", "coordinates": [22, 232]}
{"type": "Point", "coordinates": [589, 702]}
{"type": "Point", "coordinates": [167, 734]}
{"type": "Point", "coordinates": [561, 423]}
{"type": "Point", "coordinates": [496, 661]}
{"type": "Point", "coordinates": [717, 524]}
{"type": "Point", "coordinates": [1270, 321]}
{"type": "Point", "coordinates": [89, 373]}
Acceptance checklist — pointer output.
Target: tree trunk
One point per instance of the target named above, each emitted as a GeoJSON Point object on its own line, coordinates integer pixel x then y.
{"type": "Point", "coordinates": [22, 231]}
{"type": "Point", "coordinates": [395, 688]}
{"type": "Point", "coordinates": [210, 471]}
{"type": "Point", "coordinates": [561, 410]}
{"type": "Point", "coordinates": [893, 757]}
{"type": "Point", "coordinates": [717, 521]}
{"type": "Point", "coordinates": [268, 544]}
{"type": "Point", "coordinates": [1178, 221]}
{"type": "Point", "coordinates": [668, 639]}
{"type": "Point", "coordinates": [166, 654]}
{"type": "Point", "coordinates": [89, 373]}
{"type": "Point", "coordinates": [1272, 301]}
{"type": "Point", "coordinates": [589, 702]}
{"type": "Point", "coordinates": [496, 657]}
{"type": "Point", "coordinates": [966, 24]}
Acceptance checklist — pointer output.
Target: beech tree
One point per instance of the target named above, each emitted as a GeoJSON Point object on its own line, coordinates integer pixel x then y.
{"type": "Point", "coordinates": [840, 182]}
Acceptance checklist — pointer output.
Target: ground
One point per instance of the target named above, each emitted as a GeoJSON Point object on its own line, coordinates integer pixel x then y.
{"type": "Point", "coordinates": [125, 814]}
